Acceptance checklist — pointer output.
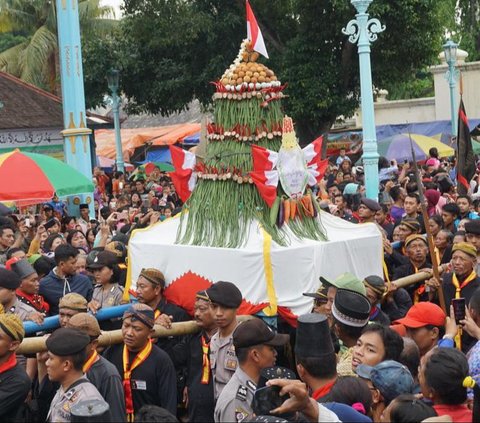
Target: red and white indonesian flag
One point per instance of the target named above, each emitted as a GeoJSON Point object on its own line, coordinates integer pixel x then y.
{"type": "Point", "coordinates": [266, 183]}
{"type": "Point", "coordinates": [184, 178]}
{"type": "Point", "coordinates": [263, 175]}
{"type": "Point", "coordinates": [254, 34]}
{"type": "Point", "coordinates": [316, 167]}
{"type": "Point", "coordinates": [263, 159]}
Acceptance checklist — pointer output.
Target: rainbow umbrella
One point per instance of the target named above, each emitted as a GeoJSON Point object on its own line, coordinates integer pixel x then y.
{"type": "Point", "coordinates": [29, 178]}
{"type": "Point", "coordinates": [398, 147]}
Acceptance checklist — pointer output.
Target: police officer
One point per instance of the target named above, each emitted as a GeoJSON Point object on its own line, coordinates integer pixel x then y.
{"type": "Point", "coordinates": [107, 292]}
{"type": "Point", "coordinates": [254, 344]}
{"type": "Point", "coordinates": [225, 298]}
{"type": "Point", "coordinates": [66, 356]}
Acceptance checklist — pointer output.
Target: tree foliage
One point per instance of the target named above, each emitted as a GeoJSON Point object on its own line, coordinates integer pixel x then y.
{"type": "Point", "coordinates": [469, 27]}
{"type": "Point", "coordinates": [169, 51]}
{"type": "Point", "coordinates": [34, 58]}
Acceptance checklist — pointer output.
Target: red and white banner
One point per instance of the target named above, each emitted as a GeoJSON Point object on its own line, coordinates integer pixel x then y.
{"type": "Point", "coordinates": [263, 159]}
{"type": "Point", "coordinates": [266, 183]}
{"type": "Point", "coordinates": [254, 34]}
{"type": "Point", "coordinates": [184, 178]}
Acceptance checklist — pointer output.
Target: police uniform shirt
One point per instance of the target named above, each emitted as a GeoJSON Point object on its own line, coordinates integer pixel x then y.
{"type": "Point", "coordinates": [110, 298]}
{"type": "Point", "coordinates": [235, 402]}
{"type": "Point", "coordinates": [21, 309]}
{"type": "Point", "coordinates": [153, 382]}
{"type": "Point", "coordinates": [104, 376]}
{"type": "Point", "coordinates": [81, 390]}
{"type": "Point", "coordinates": [14, 387]}
{"type": "Point", "coordinates": [223, 361]}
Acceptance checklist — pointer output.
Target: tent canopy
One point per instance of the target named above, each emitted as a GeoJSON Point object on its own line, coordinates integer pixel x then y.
{"type": "Point", "coordinates": [137, 137]}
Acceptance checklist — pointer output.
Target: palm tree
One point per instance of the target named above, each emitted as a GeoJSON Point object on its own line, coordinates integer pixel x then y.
{"type": "Point", "coordinates": [36, 60]}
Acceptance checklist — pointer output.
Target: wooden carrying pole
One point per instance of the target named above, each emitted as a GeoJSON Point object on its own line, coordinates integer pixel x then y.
{"type": "Point", "coordinates": [431, 246]}
{"type": "Point", "coordinates": [37, 344]}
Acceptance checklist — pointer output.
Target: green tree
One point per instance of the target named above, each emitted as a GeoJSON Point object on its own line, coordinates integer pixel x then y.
{"type": "Point", "coordinates": [10, 39]}
{"type": "Point", "coordinates": [171, 49]}
{"type": "Point", "coordinates": [35, 58]}
{"type": "Point", "coordinates": [469, 27]}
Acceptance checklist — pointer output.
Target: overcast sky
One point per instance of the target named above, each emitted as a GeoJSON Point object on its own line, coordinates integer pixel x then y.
{"type": "Point", "coordinates": [115, 3]}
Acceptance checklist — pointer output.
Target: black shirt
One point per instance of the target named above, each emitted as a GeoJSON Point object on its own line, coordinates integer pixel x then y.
{"type": "Point", "coordinates": [407, 270]}
{"type": "Point", "coordinates": [14, 387]}
{"type": "Point", "coordinates": [104, 375]}
{"type": "Point", "coordinates": [155, 379]}
{"type": "Point", "coordinates": [201, 399]}
{"type": "Point", "coordinates": [179, 315]}
{"type": "Point", "coordinates": [466, 292]}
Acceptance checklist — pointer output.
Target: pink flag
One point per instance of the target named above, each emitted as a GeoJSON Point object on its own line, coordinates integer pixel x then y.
{"type": "Point", "coordinates": [254, 34]}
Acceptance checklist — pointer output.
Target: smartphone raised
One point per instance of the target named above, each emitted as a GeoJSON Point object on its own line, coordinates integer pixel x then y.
{"type": "Point", "coordinates": [459, 309]}
{"type": "Point", "coordinates": [266, 399]}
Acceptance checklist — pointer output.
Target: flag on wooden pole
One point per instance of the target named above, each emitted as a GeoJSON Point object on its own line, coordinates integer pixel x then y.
{"type": "Point", "coordinates": [254, 33]}
{"type": "Point", "coordinates": [465, 155]}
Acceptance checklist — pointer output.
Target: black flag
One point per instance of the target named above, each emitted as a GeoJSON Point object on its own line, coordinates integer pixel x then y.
{"type": "Point", "coordinates": [465, 155]}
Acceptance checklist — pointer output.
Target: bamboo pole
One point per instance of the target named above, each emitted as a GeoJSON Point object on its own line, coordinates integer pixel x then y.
{"type": "Point", "coordinates": [37, 344]}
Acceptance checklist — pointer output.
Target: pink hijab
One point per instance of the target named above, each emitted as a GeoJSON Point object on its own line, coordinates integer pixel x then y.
{"type": "Point", "coordinates": [432, 196]}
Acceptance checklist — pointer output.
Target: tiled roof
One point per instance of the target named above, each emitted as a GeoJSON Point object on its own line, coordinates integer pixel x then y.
{"type": "Point", "coordinates": [27, 106]}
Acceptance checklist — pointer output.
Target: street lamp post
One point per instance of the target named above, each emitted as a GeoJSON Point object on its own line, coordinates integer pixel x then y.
{"type": "Point", "coordinates": [363, 31]}
{"type": "Point", "coordinates": [113, 77]}
{"type": "Point", "coordinates": [450, 49]}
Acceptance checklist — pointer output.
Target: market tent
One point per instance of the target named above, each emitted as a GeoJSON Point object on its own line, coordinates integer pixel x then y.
{"type": "Point", "coordinates": [137, 137]}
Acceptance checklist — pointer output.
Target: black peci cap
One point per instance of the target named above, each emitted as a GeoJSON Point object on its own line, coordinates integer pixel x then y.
{"type": "Point", "coordinates": [225, 294]}
{"type": "Point", "coordinates": [473, 227]}
{"type": "Point", "coordinates": [351, 308]}
{"type": "Point", "coordinates": [67, 341]}
{"type": "Point", "coordinates": [371, 204]}
{"type": "Point", "coordinates": [9, 279]}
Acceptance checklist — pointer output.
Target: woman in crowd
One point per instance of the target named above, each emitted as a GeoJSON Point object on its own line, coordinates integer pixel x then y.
{"type": "Point", "coordinates": [435, 224]}
{"type": "Point", "coordinates": [107, 292]}
{"type": "Point", "coordinates": [407, 408]}
{"type": "Point", "coordinates": [444, 379]}
{"type": "Point", "coordinates": [78, 240]}
{"type": "Point", "coordinates": [52, 242]}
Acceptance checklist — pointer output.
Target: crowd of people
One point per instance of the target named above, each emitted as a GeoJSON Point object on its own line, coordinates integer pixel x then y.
{"type": "Point", "coordinates": [372, 349]}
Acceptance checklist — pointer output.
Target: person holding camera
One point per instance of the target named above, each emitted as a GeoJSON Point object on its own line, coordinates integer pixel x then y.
{"type": "Point", "coordinates": [255, 346]}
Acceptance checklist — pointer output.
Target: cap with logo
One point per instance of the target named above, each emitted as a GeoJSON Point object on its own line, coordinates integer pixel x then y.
{"type": "Point", "coordinates": [257, 332]}
{"type": "Point", "coordinates": [104, 259]}
{"type": "Point", "coordinates": [319, 294]}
